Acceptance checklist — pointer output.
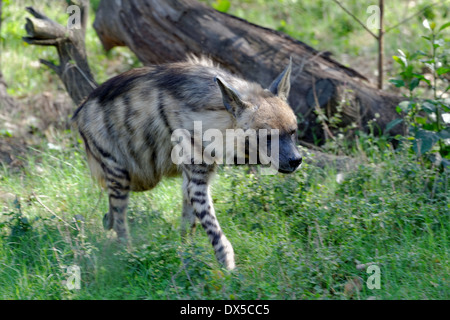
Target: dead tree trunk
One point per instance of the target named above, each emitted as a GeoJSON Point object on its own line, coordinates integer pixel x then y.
{"type": "Point", "coordinates": [159, 31]}
{"type": "Point", "coordinates": [73, 68]}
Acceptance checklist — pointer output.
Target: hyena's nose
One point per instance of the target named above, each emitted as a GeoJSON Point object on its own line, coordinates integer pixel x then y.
{"type": "Point", "coordinates": [295, 162]}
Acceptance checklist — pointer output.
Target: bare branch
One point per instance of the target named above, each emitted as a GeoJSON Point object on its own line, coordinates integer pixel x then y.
{"type": "Point", "coordinates": [51, 65]}
{"type": "Point", "coordinates": [36, 13]}
{"type": "Point", "coordinates": [43, 29]}
{"type": "Point", "coordinates": [52, 212]}
{"type": "Point", "coordinates": [356, 19]}
{"type": "Point", "coordinates": [41, 42]}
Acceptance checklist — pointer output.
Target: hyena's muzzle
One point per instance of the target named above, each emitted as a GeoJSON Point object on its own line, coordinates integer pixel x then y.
{"type": "Point", "coordinates": [289, 158]}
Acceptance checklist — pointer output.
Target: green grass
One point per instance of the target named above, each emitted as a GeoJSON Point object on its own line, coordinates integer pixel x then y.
{"type": "Point", "coordinates": [295, 237]}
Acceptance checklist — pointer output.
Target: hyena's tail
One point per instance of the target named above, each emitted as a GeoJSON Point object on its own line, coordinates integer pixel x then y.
{"type": "Point", "coordinates": [94, 163]}
{"type": "Point", "coordinates": [95, 167]}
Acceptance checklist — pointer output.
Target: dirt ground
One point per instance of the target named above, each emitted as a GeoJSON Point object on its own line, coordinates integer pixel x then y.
{"type": "Point", "coordinates": [25, 122]}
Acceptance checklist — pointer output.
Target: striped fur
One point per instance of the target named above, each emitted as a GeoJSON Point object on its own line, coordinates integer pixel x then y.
{"type": "Point", "coordinates": [127, 123]}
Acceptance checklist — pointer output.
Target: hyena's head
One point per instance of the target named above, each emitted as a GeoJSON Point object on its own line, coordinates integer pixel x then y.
{"type": "Point", "coordinates": [266, 113]}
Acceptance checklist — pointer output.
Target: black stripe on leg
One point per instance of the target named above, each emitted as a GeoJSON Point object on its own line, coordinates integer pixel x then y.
{"type": "Point", "coordinates": [215, 236]}
{"type": "Point", "coordinates": [114, 184]}
{"type": "Point", "coordinates": [103, 153]}
{"type": "Point", "coordinates": [219, 250]}
{"type": "Point", "coordinates": [198, 182]}
{"type": "Point", "coordinates": [119, 196]}
{"type": "Point", "coordinates": [202, 214]}
{"type": "Point", "coordinates": [201, 201]}
{"type": "Point", "coordinates": [209, 225]}
{"type": "Point", "coordinates": [116, 172]}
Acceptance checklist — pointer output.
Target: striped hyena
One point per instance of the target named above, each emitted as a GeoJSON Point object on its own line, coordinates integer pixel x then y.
{"type": "Point", "coordinates": [127, 125]}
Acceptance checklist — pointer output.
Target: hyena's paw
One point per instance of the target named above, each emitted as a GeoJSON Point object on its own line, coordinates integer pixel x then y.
{"type": "Point", "coordinates": [124, 241]}
{"type": "Point", "coordinates": [225, 254]}
{"type": "Point", "coordinates": [108, 222]}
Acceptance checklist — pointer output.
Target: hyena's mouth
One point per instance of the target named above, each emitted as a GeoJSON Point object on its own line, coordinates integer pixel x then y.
{"type": "Point", "coordinates": [285, 171]}
{"type": "Point", "coordinates": [294, 164]}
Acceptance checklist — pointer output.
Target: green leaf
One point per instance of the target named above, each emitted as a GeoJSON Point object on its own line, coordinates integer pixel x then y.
{"type": "Point", "coordinates": [222, 5]}
{"type": "Point", "coordinates": [429, 106]}
{"type": "Point", "coordinates": [5, 133]}
{"type": "Point", "coordinates": [429, 61]}
{"type": "Point", "coordinates": [418, 53]}
{"type": "Point", "coordinates": [442, 70]}
{"type": "Point", "coordinates": [430, 127]}
{"type": "Point", "coordinates": [407, 73]}
{"type": "Point", "coordinates": [424, 141]}
{"type": "Point", "coordinates": [392, 124]}
{"type": "Point", "coordinates": [446, 25]}
{"type": "Point", "coordinates": [400, 60]}
{"type": "Point", "coordinates": [420, 120]}
{"type": "Point", "coordinates": [414, 83]}
{"type": "Point", "coordinates": [422, 77]}
{"type": "Point", "coordinates": [445, 106]}
{"type": "Point", "coordinates": [397, 82]}
{"type": "Point", "coordinates": [402, 54]}
{"type": "Point", "coordinates": [446, 89]}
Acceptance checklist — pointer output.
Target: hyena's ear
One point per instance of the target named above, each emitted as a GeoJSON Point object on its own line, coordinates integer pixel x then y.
{"type": "Point", "coordinates": [282, 84]}
{"type": "Point", "coordinates": [231, 98]}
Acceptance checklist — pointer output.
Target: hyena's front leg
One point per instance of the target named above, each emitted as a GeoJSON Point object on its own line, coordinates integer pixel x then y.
{"type": "Point", "coordinates": [197, 190]}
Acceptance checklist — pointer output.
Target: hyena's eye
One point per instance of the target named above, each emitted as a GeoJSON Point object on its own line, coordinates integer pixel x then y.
{"type": "Point", "coordinates": [293, 134]}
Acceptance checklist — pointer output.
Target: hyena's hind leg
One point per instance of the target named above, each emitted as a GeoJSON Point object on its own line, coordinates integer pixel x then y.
{"type": "Point", "coordinates": [117, 182]}
{"type": "Point", "coordinates": [118, 187]}
{"type": "Point", "coordinates": [188, 218]}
